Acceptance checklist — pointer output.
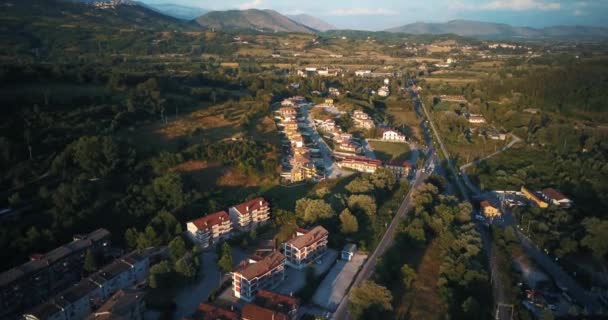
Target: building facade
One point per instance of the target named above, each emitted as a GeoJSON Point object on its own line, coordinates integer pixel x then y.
{"type": "Point", "coordinates": [305, 247]}
{"type": "Point", "coordinates": [393, 135]}
{"type": "Point", "coordinates": [360, 164]}
{"type": "Point", "coordinates": [248, 215]}
{"type": "Point", "coordinates": [258, 273]}
{"type": "Point", "coordinates": [210, 229]}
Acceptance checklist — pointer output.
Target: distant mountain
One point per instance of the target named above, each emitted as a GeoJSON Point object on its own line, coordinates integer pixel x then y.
{"type": "Point", "coordinates": [263, 20]}
{"type": "Point", "coordinates": [177, 11]}
{"type": "Point", "coordinates": [311, 22]}
{"type": "Point", "coordinates": [489, 30]}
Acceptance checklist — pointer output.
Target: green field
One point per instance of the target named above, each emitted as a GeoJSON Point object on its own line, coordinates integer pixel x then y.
{"type": "Point", "coordinates": [388, 151]}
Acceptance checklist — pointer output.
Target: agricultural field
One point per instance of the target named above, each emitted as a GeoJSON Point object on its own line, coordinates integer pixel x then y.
{"type": "Point", "coordinates": [390, 151]}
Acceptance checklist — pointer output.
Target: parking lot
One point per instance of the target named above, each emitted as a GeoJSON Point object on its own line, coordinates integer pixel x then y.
{"type": "Point", "coordinates": [296, 279]}
{"type": "Point", "coordinates": [336, 283]}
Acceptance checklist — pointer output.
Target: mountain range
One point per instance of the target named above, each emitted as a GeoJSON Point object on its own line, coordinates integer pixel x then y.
{"type": "Point", "coordinates": [176, 10]}
{"type": "Point", "coordinates": [261, 20]}
{"type": "Point", "coordinates": [312, 22]}
{"type": "Point", "coordinates": [490, 30]}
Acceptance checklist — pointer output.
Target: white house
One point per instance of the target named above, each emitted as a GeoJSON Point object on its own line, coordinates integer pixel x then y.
{"type": "Point", "coordinates": [392, 135]}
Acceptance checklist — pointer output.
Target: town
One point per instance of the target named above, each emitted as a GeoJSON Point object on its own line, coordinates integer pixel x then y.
{"type": "Point", "coordinates": [162, 161]}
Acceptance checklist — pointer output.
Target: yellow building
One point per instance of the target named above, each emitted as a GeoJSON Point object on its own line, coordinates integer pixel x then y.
{"type": "Point", "coordinates": [532, 197]}
{"type": "Point", "coordinates": [489, 210]}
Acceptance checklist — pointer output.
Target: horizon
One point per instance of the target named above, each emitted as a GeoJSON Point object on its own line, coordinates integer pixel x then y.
{"type": "Point", "coordinates": [385, 14]}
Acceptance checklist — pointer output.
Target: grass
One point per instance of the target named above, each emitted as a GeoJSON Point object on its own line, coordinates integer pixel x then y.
{"type": "Point", "coordinates": [388, 151]}
{"type": "Point", "coordinates": [409, 120]}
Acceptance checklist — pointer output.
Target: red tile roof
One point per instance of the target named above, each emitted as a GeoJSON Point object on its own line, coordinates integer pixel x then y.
{"type": "Point", "coordinates": [400, 163]}
{"type": "Point", "coordinates": [251, 205]}
{"type": "Point", "coordinates": [276, 301]}
{"type": "Point", "coordinates": [309, 238]}
{"type": "Point", "coordinates": [252, 270]}
{"type": "Point", "coordinates": [553, 194]}
{"type": "Point", "coordinates": [211, 220]}
{"type": "Point", "coordinates": [484, 204]}
{"type": "Point", "coordinates": [210, 312]}
{"type": "Point", "coordinates": [253, 312]}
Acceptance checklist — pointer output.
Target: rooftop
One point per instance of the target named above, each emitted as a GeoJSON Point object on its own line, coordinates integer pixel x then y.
{"type": "Point", "coordinates": [554, 194]}
{"type": "Point", "coordinates": [253, 312]}
{"type": "Point", "coordinates": [309, 238]}
{"type": "Point", "coordinates": [276, 301]}
{"type": "Point", "coordinates": [486, 204]}
{"type": "Point", "coordinates": [350, 247]}
{"type": "Point", "coordinates": [211, 220]}
{"type": "Point", "coordinates": [44, 311]}
{"type": "Point", "coordinates": [207, 311]}
{"type": "Point", "coordinates": [119, 306]}
{"type": "Point", "coordinates": [251, 270]}
{"type": "Point", "coordinates": [78, 291]}
{"type": "Point", "coordinates": [251, 205]}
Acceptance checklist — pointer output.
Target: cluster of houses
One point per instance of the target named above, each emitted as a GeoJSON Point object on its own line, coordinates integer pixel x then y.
{"type": "Point", "coordinates": [384, 90]}
{"type": "Point", "coordinates": [254, 279]}
{"type": "Point", "coordinates": [313, 71]}
{"type": "Point", "coordinates": [301, 165]}
{"type": "Point", "coordinates": [399, 168]}
{"type": "Point", "coordinates": [212, 228]}
{"type": "Point", "coordinates": [362, 120]}
{"type": "Point", "coordinates": [370, 74]}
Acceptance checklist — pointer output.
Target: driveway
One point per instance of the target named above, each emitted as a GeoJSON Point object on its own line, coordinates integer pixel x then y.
{"type": "Point", "coordinates": [337, 282]}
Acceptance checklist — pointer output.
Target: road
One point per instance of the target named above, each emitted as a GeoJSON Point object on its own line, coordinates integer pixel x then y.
{"type": "Point", "coordinates": [387, 240]}
{"type": "Point", "coordinates": [497, 286]}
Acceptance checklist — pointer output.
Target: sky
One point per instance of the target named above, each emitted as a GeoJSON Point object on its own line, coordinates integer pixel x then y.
{"type": "Point", "coordinates": [383, 14]}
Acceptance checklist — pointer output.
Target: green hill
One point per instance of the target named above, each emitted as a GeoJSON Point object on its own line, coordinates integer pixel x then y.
{"type": "Point", "coordinates": [261, 20]}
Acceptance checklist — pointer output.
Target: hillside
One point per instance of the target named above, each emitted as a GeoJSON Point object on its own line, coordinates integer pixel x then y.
{"type": "Point", "coordinates": [177, 11]}
{"type": "Point", "coordinates": [262, 20]}
{"type": "Point", "coordinates": [487, 30]}
{"type": "Point", "coordinates": [312, 22]}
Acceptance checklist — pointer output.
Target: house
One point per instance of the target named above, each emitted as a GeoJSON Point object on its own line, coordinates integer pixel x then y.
{"type": "Point", "coordinates": [27, 285]}
{"type": "Point", "coordinates": [384, 91]}
{"type": "Point", "coordinates": [288, 113]}
{"type": "Point", "coordinates": [302, 167]}
{"type": "Point", "coordinates": [349, 251]}
{"type": "Point", "coordinates": [361, 164]}
{"type": "Point", "coordinates": [123, 305]}
{"type": "Point", "coordinates": [489, 210]}
{"type": "Point", "coordinates": [329, 101]}
{"type": "Point", "coordinates": [290, 125]}
{"type": "Point", "coordinates": [400, 169]}
{"type": "Point", "coordinates": [362, 120]}
{"type": "Point", "coordinates": [210, 229]}
{"type": "Point", "coordinates": [253, 312]}
{"type": "Point", "coordinates": [78, 301]}
{"type": "Point", "coordinates": [278, 302]}
{"type": "Point", "coordinates": [342, 137]}
{"type": "Point", "coordinates": [393, 135]}
{"type": "Point", "coordinates": [249, 214]}
{"type": "Point", "coordinates": [348, 146]}
{"type": "Point", "coordinates": [334, 92]}
{"type": "Point", "coordinates": [475, 118]}
{"type": "Point", "coordinates": [305, 247]}
{"type": "Point", "coordinates": [363, 73]}
{"type": "Point", "coordinates": [258, 273]}
{"type": "Point", "coordinates": [534, 198]}
{"type": "Point", "coordinates": [556, 198]}
{"type": "Point", "coordinates": [328, 125]}
{"type": "Point", "coordinates": [207, 311]}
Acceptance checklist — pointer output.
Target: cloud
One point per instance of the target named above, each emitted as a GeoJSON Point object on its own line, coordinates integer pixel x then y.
{"type": "Point", "coordinates": [363, 12]}
{"type": "Point", "coordinates": [251, 4]}
{"type": "Point", "coordinates": [511, 5]}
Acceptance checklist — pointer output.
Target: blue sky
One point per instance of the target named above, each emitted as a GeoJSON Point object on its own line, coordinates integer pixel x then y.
{"type": "Point", "coordinates": [382, 14]}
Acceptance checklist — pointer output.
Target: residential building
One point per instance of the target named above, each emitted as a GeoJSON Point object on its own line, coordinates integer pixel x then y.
{"type": "Point", "coordinates": [278, 302]}
{"type": "Point", "coordinates": [123, 305]}
{"type": "Point", "coordinates": [393, 135]}
{"type": "Point", "coordinates": [326, 125]}
{"type": "Point", "coordinates": [363, 73]}
{"type": "Point", "coordinates": [400, 169]}
{"type": "Point", "coordinates": [349, 251]}
{"type": "Point", "coordinates": [253, 312]}
{"type": "Point", "coordinates": [342, 137]}
{"type": "Point", "coordinates": [210, 229]}
{"type": "Point", "coordinates": [475, 118]}
{"type": "Point", "coordinates": [334, 92]}
{"type": "Point", "coordinates": [361, 164]}
{"type": "Point", "coordinates": [348, 146]}
{"type": "Point", "coordinates": [305, 247]}
{"type": "Point", "coordinates": [534, 198]}
{"type": "Point", "coordinates": [363, 120]}
{"type": "Point", "coordinates": [207, 311]}
{"type": "Point", "coordinates": [290, 125]}
{"type": "Point", "coordinates": [329, 101]}
{"type": "Point", "coordinates": [258, 273]}
{"type": "Point", "coordinates": [556, 198]}
{"type": "Point", "coordinates": [489, 210]}
{"type": "Point", "coordinates": [288, 113]}
{"type": "Point", "coordinates": [78, 301]}
{"type": "Point", "coordinates": [302, 167]}
{"type": "Point", "coordinates": [31, 283]}
{"type": "Point", "coordinates": [248, 215]}
{"type": "Point", "coordinates": [384, 91]}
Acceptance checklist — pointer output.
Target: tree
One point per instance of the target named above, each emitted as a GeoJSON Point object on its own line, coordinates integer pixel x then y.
{"type": "Point", "coordinates": [471, 308]}
{"type": "Point", "coordinates": [225, 262]}
{"type": "Point", "coordinates": [367, 295]}
{"type": "Point", "coordinates": [596, 238]}
{"type": "Point", "coordinates": [348, 222]}
{"type": "Point", "coordinates": [383, 179]}
{"type": "Point", "coordinates": [547, 315]}
{"type": "Point", "coordinates": [311, 210]}
{"type": "Point", "coordinates": [409, 275]}
{"type": "Point", "coordinates": [98, 156]}
{"type": "Point", "coordinates": [185, 267]}
{"type": "Point", "coordinates": [362, 202]}
{"type": "Point", "coordinates": [177, 248]}
{"type": "Point", "coordinates": [90, 263]}
{"type": "Point", "coordinates": [15, 200]}
{"type": "Point", "coordinates": [159, 274]}
{"type": "Point", "coordinates": [131, 236]}
{"type": "Point", "coordinates": [360, 185]}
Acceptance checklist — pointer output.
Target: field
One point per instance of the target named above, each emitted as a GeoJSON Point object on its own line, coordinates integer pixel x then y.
{"type": "Point", "coordinates": [388, 151]}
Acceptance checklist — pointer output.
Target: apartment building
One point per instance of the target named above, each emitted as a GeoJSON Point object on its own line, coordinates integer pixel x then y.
{"type": "Point", "coordinates": [393, 135]}
{"type": "Point", "coordinates": [401, 169]}
{"type": "Point", "coordinates": [123, 305]}
{"type": "Point", "coordinates": [34, 281]}
{"type": "Point", "coordinates": [249, 214]}
{"type": "Point", "coordinates": [305, 247]}
{"type": "Point", "coordinates": [210, 229]}
{"type": "Point", "coordinates": [255, 312]}
{"type": "Point", "coordinates": [258, 273]}
{"type": "Point", "coordinates": [78, 301]}
{"type": "Point", "coordinates": [278, 302]}
{"type": "Point", "coordinates": [360, 164]}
